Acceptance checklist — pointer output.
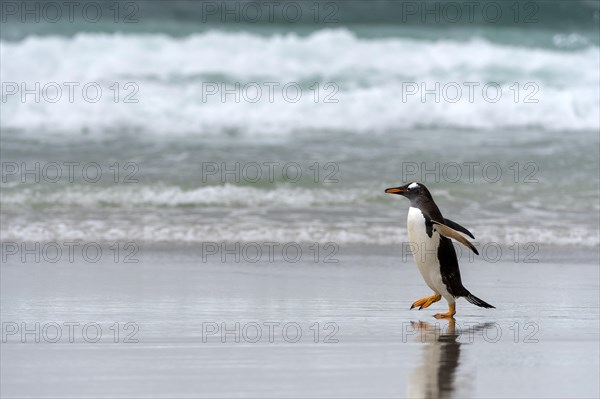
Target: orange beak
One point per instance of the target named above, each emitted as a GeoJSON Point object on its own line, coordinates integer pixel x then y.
{"type": "Point", "coordinates": [394, 191]}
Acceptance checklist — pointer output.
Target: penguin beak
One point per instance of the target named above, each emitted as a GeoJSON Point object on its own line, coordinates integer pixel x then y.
{"type": "Point", "coordinates": [395, 190]}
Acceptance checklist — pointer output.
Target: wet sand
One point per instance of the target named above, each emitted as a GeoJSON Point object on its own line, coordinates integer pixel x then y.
{"type": "Point", "coordinates": [541, 341]}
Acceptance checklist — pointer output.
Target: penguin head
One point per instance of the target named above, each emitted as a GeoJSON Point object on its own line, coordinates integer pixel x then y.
{"type": "Point", "coordinates": [415, 192]}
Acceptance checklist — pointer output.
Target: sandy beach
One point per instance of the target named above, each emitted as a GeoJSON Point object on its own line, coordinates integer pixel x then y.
{"type": "Point", "coordinates": [541, 341]}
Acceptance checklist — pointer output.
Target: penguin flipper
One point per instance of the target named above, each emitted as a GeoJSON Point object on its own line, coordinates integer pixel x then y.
{"type": "Point", "coordinates": [458, 227]}
{"type": "Point", "coordinates": [449, 232]}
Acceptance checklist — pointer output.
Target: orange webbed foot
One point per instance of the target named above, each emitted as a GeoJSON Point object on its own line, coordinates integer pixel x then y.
{"type": "Point", "coordinates": [448, 315]}
{"type": "Point", "coordinates": [426, 302]}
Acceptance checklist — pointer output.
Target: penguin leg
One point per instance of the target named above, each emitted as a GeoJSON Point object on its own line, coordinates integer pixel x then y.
{"type": "Point", "coordinates": [449, 315]}
{"type": "Point", "coordinates": [426, 302]}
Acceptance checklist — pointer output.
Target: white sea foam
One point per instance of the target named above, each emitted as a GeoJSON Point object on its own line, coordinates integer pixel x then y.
{"type": "Point", "coordinates": [226, 195]}
{"type": "Point", "coordinates": [371, 75]}
{"type": "Point", "coordinates": [163, 213]}
{"type": "Point", "coordinates": [168, 231]}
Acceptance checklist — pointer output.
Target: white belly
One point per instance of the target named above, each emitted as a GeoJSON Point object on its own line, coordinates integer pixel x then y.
{"type": "Point", "coordinates": [425, 252]}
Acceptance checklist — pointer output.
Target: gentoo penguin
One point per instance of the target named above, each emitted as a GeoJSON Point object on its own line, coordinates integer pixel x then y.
{"type": "Point", "coordinates": [434, 253]}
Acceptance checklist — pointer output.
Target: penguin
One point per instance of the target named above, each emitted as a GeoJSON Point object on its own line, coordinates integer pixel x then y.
{"type": "Point", "coordinates": [435, 255]}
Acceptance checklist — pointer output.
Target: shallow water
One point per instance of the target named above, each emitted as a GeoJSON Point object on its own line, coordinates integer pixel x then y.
{"type": "Point", "coordinates": [541, 341]}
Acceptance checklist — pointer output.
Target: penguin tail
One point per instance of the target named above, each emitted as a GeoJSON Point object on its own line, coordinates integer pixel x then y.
{"type": "Point", "coordinates": [478, 302]}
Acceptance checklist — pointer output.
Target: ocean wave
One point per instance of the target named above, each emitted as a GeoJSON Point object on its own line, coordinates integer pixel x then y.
{"type": "Point", "coordinates": [168, 213]}
{"type": "Point", "coordinates": [227, 195]}
{"type": "Point", "coordinates": [328, 53]}
{"type": "Point", "coordinates": [347, 233]}
{"type": "Point", "coordinates": [538, 203]}
{"type": "Point", "coordinates": [369, 84]}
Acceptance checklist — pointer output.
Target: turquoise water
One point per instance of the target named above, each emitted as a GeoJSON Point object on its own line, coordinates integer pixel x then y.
{"type": "Point", "coordinates": [499, 119]}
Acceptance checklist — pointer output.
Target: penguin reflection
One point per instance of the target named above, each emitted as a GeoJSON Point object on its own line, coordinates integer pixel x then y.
{"type": "Point", "coordinates": [436, 375]}
{"type": "Point", "coordinates": [434, 378]}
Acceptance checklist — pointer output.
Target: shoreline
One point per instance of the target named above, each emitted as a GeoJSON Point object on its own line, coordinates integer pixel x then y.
{"type": "Point", "coordinates": [197, 325]}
